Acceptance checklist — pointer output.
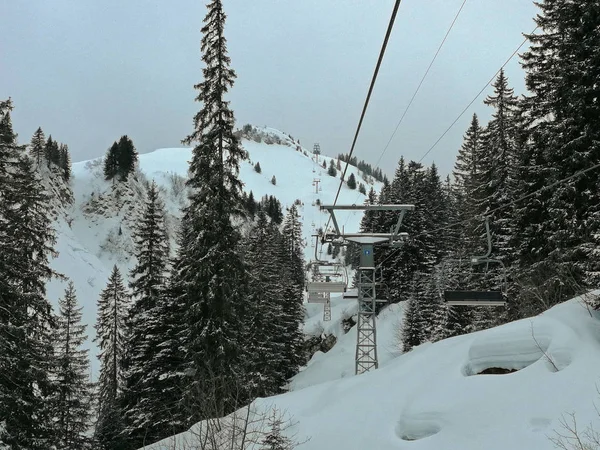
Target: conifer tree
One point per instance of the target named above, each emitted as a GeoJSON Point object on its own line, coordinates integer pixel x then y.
{"type": "Point", "coordinates": [111, 162]}
{"type": "Point", "coordinates": [127, 157]}
{"type": "Point", "coordinates": [142, 400]}
{"type": "Point", "coordinates": [251, 205]}
{"type": "Point", "coordinates": [265, 368]}
{"type": "Point", "coordinates": [37, 146]}
{"type": "Point", "coordinates": [352, 181]}
{"type": "Point", "coordinates": [72, 405]}
{"type": "Point", "coordinates": [26, 243]}
{"type": "Point", "coordinates": [562, 111]}
{"type": "Point", "coordinates": [332, 172]}
{"type": "Point", "coordinates": [211, 271]}
{"type": "Point", "coordinates": [110, 333]}
{"type": "Point", "coordinates": [65, 162]}
{"type": "Point", "coordinates": [273, 180]}
{"type": "Point", "coordinates": [257, 168]}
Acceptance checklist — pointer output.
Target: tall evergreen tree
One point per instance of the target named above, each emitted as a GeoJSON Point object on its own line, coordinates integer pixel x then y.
{"type": "Point", "coordinates": [562, 65]}
{"type": "Point", "coordinates": [26, 243]}
{"type": "Point", "coordinates": [111, 162]}
{"type": "Point", "coordinates": [142, 400]}
{"type": "Point", "coordinates": [110, 333]}
{"type": "Point", "coordinates": [211, 272]}
{"type": "Point", "coordinates": [266, 365]}
{"type": "Point", "coordinates": [65, 162]}
{"type": "Point", "coordinates": [72, 405]}
{"type": "Point", "coordinates": [127, 157]}
{"type": "Point", "coordinates": [37, 146]}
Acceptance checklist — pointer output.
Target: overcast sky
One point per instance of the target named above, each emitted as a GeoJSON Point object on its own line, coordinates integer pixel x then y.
{"type": "Point", "coordinates": [89, 71]}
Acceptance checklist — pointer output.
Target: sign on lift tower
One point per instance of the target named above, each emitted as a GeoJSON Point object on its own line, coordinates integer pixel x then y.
{"type": "Point", "coordinates": [366, 336]}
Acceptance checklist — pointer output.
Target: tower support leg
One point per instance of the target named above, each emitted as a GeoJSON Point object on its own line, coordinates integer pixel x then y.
{"type": "Point", "coordinates": [366, 332]}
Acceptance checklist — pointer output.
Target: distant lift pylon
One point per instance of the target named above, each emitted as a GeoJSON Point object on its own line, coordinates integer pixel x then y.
{"type": "Point", "coordinates": [366, 336]}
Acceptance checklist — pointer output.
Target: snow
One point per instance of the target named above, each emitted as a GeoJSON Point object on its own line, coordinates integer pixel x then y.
{"type": "Point", "coordinates": [434, 398]}
{"type": "Point", "coordinates": [84, 257]}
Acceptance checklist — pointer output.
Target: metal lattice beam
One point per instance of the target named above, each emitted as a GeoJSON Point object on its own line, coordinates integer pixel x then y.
{"type": "Point", "coordinates": [366, 336]}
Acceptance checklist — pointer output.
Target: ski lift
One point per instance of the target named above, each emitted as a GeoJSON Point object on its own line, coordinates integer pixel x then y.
{"type": "Point", "coordinates": [331, 281]}
{"type": "Point", "coordinates": [479, 298]}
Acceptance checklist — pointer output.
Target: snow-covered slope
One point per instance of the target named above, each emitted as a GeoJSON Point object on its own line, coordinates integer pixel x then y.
{"type": "Point", "coordinates": [434, 398]}
{"type": "Point", "coordinates": [96, 232]}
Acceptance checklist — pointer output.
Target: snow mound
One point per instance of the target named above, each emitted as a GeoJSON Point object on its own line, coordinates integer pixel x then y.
{"type": "Point", "coordinates": [515, 347]}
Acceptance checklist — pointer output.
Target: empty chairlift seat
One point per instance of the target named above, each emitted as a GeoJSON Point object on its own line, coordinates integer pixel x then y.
{"type": "Point", "coordinates": [326, 286]}
{"type": "Point", "coordinates": [474, 298]}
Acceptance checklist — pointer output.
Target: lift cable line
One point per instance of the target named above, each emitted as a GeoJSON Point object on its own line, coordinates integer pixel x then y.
{"type": "Point", "coordinates": [477, 96]}
{"type": "Point", "coordinates": [421, 82]}
{"type": "Point", "coordinates": [417, 90]}
{"type": "Point", "coordinates": [501, 207]}
{"type": "Point", "coordinates": [364, 110]}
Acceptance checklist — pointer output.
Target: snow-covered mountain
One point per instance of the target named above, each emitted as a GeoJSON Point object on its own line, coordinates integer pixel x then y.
{"type": "Point", "coordinates": [95, 232]}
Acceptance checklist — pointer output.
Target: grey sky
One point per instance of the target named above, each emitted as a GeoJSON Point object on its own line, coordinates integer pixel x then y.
{"type": "Point", "coordinates": [89, 71]}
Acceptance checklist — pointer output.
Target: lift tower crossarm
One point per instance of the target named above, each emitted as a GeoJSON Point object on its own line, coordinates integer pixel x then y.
{"type": "Point", "coordinates": [392, 236]}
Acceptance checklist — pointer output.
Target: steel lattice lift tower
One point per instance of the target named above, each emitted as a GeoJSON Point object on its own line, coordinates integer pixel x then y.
{"type": "Point", "coordinates": [366, 340]}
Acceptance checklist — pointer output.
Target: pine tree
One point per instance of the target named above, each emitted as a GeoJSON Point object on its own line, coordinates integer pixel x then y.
{"type": "Point", "coordinates": [352, 181]}
{"type": "Point", "coordinates": [332, 172]}
{"type": "Point", "coordinates": [291, 261]}
{"type": "Point", "coordinates": [110, 333]}
{"type": "Point", "coordinates": [65, 162]}
{"type": "Point", "coordinates": [26, 243]}
{"type": "Point", "coordinates": [212, 273]}
{"type": "Point", "coordinates": [127, 157]}
{"type": "Point", "coordinates": [273, 180]}
{"type": "Point", "coordinates": [142, 400]}
{"type": "Point", "coordinates": [111, 162]}
{"type": "Point", "coordinates": [362, 189]}
{"type": "Point", "coordinates": [257, 168]}
{"type": "Point", "coordinates": [266, 365]}
{"type": "Point", "coordinates": [37, 146]}
{"type": "Point", "coordinates": [71, 366]}
{"type": "Point", "coordinates": [562, 110]}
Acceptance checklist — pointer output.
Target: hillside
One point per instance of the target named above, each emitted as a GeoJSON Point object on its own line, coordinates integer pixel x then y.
{"type": "Point", "coordinates": [95, 232]}
{"type": "Point", "coordinates": [435, 396]}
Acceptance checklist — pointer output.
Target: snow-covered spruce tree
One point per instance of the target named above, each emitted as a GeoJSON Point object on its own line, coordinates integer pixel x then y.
{"type": "Point", "coordinates": [294, 246]}
{"type": "Point", "coordinates": [265, 366]}
{"type": "Point", "coordinates": [110, 333]}
{"type": "Point", "coordinates": [496, 185]}
{"type": "Point", "coordinates": [65, 163]}
{"type": "Point", "coordinates": [37, 146]}
{"type": "Point", "coordinates": [291, 257]}
{"type": "Point", "coordinates": [51, 152]}
{"type": "Point", "coordinates": [352, 181]}
{"type": "Point", "coordinates": [211, 271]}
{"type": "Point", "coordinates": [562, 66]}
{"type": "Point", "coordinates": [143, 397]}
{"type": "Point", "coordinates": [73, 396]}
{"type": "Point", "coordinates": [26, 243]}
{"type": "Point", "coordinates": [127, 157]}
{"type": "Point", "coordinates": [331, 171]}
{"type": "Point", "coordinates": [111, 162]}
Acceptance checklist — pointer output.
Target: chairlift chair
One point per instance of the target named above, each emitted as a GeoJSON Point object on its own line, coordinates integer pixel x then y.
{"type": "Point", "coordinates": [494, 297]}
